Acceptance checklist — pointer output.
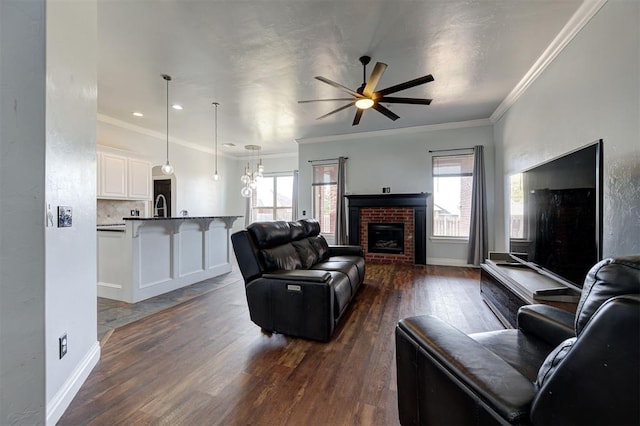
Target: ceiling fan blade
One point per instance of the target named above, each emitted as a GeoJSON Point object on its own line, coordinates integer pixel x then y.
{"type": "Point", "coordinates": [406, 85]}
{"type": "Point", "coordinates": [358, 116]}
{"type": "Point", "coordinates": [385, 111]}
{"type": "Point", "coordinates": [325, 100]}
{"type": "Point", "coordinates": [376, 74]}
{"type": "Point", "coordinates": [415, 101]}
{"type": "Point", "coordinates": [336, 110]}
{"type": "Point", "coordinates": [339, 86]}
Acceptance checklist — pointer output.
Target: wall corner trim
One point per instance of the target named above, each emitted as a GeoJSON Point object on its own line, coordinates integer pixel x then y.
{"type": "Point", "coordinates": [580, 18]}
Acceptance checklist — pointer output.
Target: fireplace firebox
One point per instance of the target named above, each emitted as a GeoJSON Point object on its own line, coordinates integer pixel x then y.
{"type": "Point", "coordinates": [386, 237]}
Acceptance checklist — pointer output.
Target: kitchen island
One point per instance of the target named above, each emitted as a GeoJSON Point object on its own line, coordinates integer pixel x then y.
{"type": "Point", "coordinates": [147, 257]}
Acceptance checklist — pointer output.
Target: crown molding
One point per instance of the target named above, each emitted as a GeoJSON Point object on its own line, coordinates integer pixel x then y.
{"type": "Point", "coordinates": [580, 18]}
{"type": "Point", "coordinates": [157, 135]}
{"type": "Point", "coordinates": [274, 155]}
{"type": "Point", "coordinates": [395, 132]}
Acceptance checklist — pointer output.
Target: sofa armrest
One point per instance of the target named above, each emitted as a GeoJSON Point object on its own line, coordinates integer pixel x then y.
{"type": "Point", "coordinates": [478, 372]}
{"type": "Point", "coordinates": [345, 250]}
{"type": "Point", "coordinates": [296, 303]}
{"type": "Point", "coordinates": [548, 323]}
{"type": "Point", "coordinates": [304, 275]}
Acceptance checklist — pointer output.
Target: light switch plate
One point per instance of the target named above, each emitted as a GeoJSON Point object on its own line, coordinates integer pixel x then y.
{"type": "Point", "coordinates": [64, 216]}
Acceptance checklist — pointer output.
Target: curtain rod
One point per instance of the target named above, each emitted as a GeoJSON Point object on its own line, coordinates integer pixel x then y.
{"type": "Point", "coordinates": [326, 159]}
{"type": "Point", "coordinates": [452, 149]}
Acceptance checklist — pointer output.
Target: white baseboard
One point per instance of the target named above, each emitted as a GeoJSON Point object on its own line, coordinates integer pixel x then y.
{"type": "Point", "coordinates": [448, 262]}
{"type": "Point", "coordinates": [61, 400]}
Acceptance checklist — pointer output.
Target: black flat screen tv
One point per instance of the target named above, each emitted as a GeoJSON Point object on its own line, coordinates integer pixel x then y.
{"type": "Point", "coordinates": [562, 215]}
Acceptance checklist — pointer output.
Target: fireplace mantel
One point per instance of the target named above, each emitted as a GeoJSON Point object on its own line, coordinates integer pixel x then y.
{"type": "Point", "coordinates": [388, 200]}
{"type": "Point", "coordinates": [416, 202]}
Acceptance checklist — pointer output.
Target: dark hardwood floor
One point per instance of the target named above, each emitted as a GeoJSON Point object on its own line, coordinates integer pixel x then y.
{"type": "Point", "coordinates": [204, 362]}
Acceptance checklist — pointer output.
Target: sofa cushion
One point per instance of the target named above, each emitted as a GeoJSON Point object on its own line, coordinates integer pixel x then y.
{"type": "Point", "coordinates": [281, 257]}
{"type": "Point", "coordinates": [347, 268]}
{"type": "Point", "coordinates": [298, 230]}
{"type": "Point", "coordinates": [341, 293]}
{"type": "Point", "coordinates": [321, 247]}
{"type": "Point", "coordinates": [607, 279]}
{"type": "Point", "coordinates": [525, 355]}
{"type": "Point", "coordinates": [356, 260]}
{"type": "Point", "coordinates": [553, 359]}
{"type": "Point", "coordinates": [308, 255]}
{"type": "Point", "coordinates": [270, 234]}
{"type": "Point", "coordinates": [312, 227]}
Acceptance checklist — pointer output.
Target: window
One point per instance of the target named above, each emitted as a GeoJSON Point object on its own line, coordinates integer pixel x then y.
{"type": "Point", "coordinates": [452, 187]}
{"type": "Point", "coordinates": [273, 198]}
{"type": "Point", "coordinates": [325, 196]}
{"type": "Point", "coordinates": [516, 207]}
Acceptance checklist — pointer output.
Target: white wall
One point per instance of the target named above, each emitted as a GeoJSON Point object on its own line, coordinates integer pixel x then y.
{"type": "Point", "coordinates": [591, 91]}
{"type": "Point", "coordinates": [71, 271]}
{"type": "Point", "coordinates": [22, 156]}
{"type": "Point", "coordinates": [196, 191]}
{"type": "Point", "coordinates": [400, 160]}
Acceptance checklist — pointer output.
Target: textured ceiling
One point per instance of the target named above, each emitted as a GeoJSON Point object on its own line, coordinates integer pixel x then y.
{"type": "Point", "coordinates": [259, 58]}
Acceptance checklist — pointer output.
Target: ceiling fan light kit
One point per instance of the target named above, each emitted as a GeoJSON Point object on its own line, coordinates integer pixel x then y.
{"type": "Point", "coordinates": [365, 103]}
{"type": "Point", "coordinates": [366, 96]}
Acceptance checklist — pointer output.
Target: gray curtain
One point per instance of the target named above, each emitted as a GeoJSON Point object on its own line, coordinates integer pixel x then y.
{"type": "Point", "coordinates": [341, 213]}
{"type": "Point", "coordinates": [247, 212]}
{"type": "Point", "coordinates": [294, 196]}
{"type": "Point", "coordinates": [478, 242]}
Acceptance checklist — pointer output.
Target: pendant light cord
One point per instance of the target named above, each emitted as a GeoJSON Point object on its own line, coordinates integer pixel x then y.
{"type": "Point", "coordinates": [215, 112]}
{"type": "Point", "coordinates": [167, 117]}
{"type": "Point", "coordinates": [167, 78]}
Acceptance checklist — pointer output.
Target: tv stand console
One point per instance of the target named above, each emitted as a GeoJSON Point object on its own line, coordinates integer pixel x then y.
{"type": "Point", "coordinates": [505, 286]}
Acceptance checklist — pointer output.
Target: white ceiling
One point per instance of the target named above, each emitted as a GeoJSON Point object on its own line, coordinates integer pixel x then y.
{"type": "Point", "coordinates": [258, 58]}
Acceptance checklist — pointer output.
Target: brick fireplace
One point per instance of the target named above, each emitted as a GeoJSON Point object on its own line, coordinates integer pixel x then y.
{"type": "Point", "coordinates": [385, 215]}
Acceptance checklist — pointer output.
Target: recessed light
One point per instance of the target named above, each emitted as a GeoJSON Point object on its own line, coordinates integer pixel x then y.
{"type": "Point", "coordinates": [228, 145]}
{"type": "Point", "coordinates": [138, 114]}
{"type": "Point", "coordinates": [176, 106]}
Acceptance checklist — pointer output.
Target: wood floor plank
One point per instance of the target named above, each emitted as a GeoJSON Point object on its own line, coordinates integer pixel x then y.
{"type": "Point", "coordinates": [204, 362]}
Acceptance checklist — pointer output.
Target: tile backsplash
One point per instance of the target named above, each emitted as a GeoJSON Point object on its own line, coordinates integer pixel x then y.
{"type": "Point", "coordinates": [112, 211]}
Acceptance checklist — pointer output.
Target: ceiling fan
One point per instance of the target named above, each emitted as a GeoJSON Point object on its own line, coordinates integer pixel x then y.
{"type": "Point", "coordinates": [366, 97]}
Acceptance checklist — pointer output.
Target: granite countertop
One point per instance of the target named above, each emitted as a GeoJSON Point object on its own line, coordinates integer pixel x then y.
{"type": "Point", "coordinates": [112, 227]}
{"type": "Point", "coordinates": [180, 217]}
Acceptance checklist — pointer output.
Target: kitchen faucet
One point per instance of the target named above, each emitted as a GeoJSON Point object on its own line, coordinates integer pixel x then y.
{"type": "Point", "coordinates": [157, 208]}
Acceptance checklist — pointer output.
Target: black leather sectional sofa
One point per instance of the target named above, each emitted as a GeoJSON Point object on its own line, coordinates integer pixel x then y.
{"type": "Point", "coordinates": [297, 284]}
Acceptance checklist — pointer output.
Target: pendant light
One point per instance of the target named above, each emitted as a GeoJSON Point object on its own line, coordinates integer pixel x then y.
{"type": "Point", "coordinates": [167, 168]}
{"type": "Point", "coordinates": [216, 176]}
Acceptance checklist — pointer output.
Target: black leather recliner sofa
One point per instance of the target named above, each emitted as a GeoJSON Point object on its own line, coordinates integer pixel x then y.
{"type": "Point", "coordinates": [296, 284]}
{"type": "Point", "coordinates": [556, 368]}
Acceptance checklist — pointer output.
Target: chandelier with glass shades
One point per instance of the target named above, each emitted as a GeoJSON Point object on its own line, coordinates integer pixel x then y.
{"type": "Point", "coordinates": [253, 171]}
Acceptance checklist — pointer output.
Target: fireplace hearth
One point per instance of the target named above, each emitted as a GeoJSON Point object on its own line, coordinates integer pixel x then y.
{"type": "Point", "coordinates": [386, 237]}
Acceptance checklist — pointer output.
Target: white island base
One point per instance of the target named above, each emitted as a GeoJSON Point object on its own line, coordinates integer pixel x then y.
{"type": "Point", "coordinates": [149, 257]}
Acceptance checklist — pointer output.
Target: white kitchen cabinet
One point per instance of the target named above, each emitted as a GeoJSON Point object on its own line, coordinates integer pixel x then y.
{"type": "Point", "coordinates": [123, 178]}
{"type": "Point", "coordinates": [112, 171]}
{"type": "Point", "coordinates": [139, 179]}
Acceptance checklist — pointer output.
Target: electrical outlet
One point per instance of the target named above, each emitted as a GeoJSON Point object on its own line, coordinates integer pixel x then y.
{"type": "Point", "coordinates": [62, 345]}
